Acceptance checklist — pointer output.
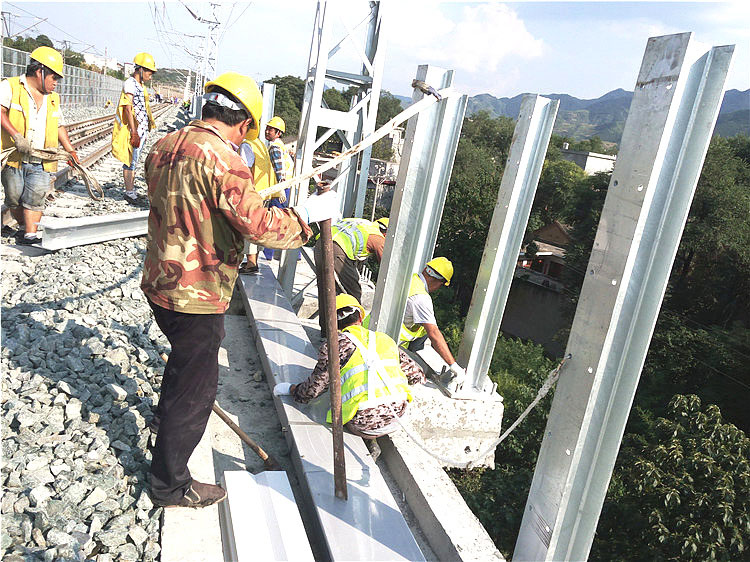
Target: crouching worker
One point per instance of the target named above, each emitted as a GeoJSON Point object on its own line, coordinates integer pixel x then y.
{"type": "Point", "coordinates": [375, 376]}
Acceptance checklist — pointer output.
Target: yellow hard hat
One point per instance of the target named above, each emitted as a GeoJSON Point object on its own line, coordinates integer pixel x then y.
{"type": "Point", "coordinates": [146, 61]}
{"type": "Point", "coordinates": [246, 91]}
{"type": "Point", "coordinates": [383, 222]}
{"type": "Point", "coordinates": [443, 267]}
{"type": "Point", "coordinates": [277, 123]}
{"type": "Point", "coordinates": [49, 58]}
{"type": "Point", "coordinates": [343, 300]}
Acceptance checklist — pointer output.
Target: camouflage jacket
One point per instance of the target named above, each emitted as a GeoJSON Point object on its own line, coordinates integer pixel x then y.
{"type": "Point", "coordinates": [202, 206]}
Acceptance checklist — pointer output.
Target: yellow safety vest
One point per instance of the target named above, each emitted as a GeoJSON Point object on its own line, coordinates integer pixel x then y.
{"type": "Point", "coordinates": [352, 236]}
{"type": "Point", "coordinates": [287, 163]}
{"type": "Point", "coordinates": [373, 374]}
{"type": "Point", "coordinates": [18, 115]}
{"type": "Point", "coordinates": [417, 330]}
{"type": "Point", "coordinates": [263, 174]}
{"type": "Point", "coordinates": [121, 147]}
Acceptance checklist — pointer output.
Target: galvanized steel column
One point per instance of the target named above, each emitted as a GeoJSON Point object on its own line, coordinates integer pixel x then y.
{"type": "Point", "coordinates": [514, 199]}
{"type": "Point", "coordinates": [269, 103]}
{"type": "Point", "coordinates": [421, 187]}
{"type": "Point", "coordinates": [673, 112]}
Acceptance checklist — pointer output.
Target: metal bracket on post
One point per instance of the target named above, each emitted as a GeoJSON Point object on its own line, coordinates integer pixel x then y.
{"type": "Point", "coordinates": [422, 184]}
{"type": "Point", "coordinates": [674, 109]}
{"type": "Point", "coordinates": [514, 200]}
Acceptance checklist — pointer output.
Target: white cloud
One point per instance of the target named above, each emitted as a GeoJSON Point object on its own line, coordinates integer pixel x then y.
{"type": "Point", "coordinates": [478, 39]}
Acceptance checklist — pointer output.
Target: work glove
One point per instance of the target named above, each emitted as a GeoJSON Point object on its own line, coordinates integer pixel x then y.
{"type": "Point", "coordinates": [319, 207]}
{"type": "Point", "coordinates": [22, 144]}
{"type": "Point", "coordinates": [73, 157]}
{"type": "Point", "coordinates": [281, 196]}
{"type": "Point", "coordinates": [458, 372]}
{"type": "Point", "coordinates": [282, 389]}
{"type": "Point", "coordinates": [135, 140]}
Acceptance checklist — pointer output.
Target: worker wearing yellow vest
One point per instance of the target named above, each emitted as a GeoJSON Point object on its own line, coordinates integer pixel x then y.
{"type": "Point", "coordinates": [282, 162]}
{"type": "Point", "coordinates": [32, 119]}
{"type": "Point", "coordinates": [353, 240]}
{"type": "Point", "coordinates": [375, 375]}
{"type": "Point", "coordinates": [255, 154]}
{"type": "Point", "coordinates": [419, 317]}
{"type": "Point", "coordinates": [133, 121]}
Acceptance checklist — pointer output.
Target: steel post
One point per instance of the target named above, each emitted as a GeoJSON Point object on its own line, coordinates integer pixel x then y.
{"type": "Point", "coordinates": [514, 199]}
{"type": "Point", "coordinates": [673, 112]}
{"type": "Point", "coordinates": [269, 101]}
{"type": "Point", "coordinates": [351, 126]}
{"type": "Point", "coordinates": [421, 187]}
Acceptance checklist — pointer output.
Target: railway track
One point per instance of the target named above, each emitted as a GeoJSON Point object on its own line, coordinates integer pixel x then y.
{"type": "Point", "coordinates": [91, 139]}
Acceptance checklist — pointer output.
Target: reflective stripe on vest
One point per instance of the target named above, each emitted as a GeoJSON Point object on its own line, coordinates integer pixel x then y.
{"type": "Point", "coordinates": [18, 115]}
{"type": "Point", "coordinates": [372, 375]}
{"type": "Point", "coordinates": [352, 235]}
{"type": "Point", "coordinates": [417, 330]}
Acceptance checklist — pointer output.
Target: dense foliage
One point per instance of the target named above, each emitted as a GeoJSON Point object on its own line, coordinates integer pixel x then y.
{"type": "Point", "coordinates": [677, 481]}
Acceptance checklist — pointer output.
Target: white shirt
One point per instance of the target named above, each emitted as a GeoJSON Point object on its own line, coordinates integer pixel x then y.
{"type": "Point", "coordinates": [419, 309]}
{"type": "Point", "coordinates": [132, 87]}
{"type": "Point", "coordinates": [37, 118]}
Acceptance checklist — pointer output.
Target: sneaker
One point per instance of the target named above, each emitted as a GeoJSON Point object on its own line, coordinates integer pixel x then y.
{"type": "Point", "coordinates": [24, 240]}
{"type": "Point", "coordinates": [133, 200]}
{"type": "Point", "coordinates": [197, 495]}
{"type": "Point", "coordinates": [373, 448]}
{"type": "Point", "coordinates": [249, 270]}
{"type": "Point", "coordinates": [8, 231]}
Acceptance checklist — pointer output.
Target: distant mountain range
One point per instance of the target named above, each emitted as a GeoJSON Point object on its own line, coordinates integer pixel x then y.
{"type": "Point", "coordinates": [605, 116]}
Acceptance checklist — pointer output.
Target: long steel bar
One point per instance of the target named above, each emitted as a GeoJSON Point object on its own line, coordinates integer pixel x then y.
{"type": "Point", "coordinates": [421, 187]}
{"type": "Point", "coordinates": [514, 199]}
{"type": "Point", "coordinates": [664, 143]}
{"type": "Point", "coordinates": [61, 233]}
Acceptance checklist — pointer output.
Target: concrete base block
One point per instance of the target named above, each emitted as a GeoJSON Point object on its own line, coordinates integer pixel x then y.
{"type": "Point", "coordinates": [455, 429]}
{"type": "Point", "coordinates": [453, 531]}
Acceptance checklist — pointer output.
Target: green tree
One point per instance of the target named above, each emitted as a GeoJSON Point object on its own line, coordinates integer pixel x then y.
{"type": "Point", "coordinates": [388, 107]}
{"type": "Point", "coordinates": [682, 487]}
{"type": "Point", "coordinates": [290, 92]}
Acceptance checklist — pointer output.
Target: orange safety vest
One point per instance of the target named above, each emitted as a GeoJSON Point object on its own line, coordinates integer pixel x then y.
{"type": "Point", "coordinates": [18, 115]}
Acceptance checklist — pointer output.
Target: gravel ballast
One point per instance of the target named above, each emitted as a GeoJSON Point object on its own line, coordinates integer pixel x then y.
{"type": "Point", "coordinates": [80, 372]}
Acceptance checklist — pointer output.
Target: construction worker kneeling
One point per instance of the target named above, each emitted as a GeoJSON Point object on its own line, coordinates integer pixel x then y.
{"type": "Point", "coordinates": [375, 375]}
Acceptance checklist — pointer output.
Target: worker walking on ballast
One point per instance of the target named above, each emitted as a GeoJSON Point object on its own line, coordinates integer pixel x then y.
{"type": "Point", "coordinates": [203, 204]}
{"type": "Point", "coordinates": [375, 375]}
{"type": "Point", "coordinates": [354, 240]}
{"type": "Point", "coordinates": [32, 119]}
{"type": "Point", "coordinates": [133, 121]}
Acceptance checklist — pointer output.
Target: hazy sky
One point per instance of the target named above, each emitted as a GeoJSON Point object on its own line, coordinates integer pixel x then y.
{"type": "Point", "coordinates": [580, 48]}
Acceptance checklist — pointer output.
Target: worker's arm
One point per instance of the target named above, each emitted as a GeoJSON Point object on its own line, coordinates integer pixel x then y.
{"type": "Point", "coordinates": [375, 245]}
{"type": "Point", "coordinates": [62, 136]}
{"type": "Point", "coordinates": [317, 383]}
{"type": "Point", "coordinates": [438, 342]}
{"type": "Point", "coordinates": [6, 124]}
{"type": "Point", "coordinates": [277, 161]}
{"type": "Point", "coordinates": [412, 370]}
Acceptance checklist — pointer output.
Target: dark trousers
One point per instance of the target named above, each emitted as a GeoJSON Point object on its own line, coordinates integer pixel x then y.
{"type": "Point", "coordinates": [188, 391]}
{"type": "Point", "coordinates": [346, 271]}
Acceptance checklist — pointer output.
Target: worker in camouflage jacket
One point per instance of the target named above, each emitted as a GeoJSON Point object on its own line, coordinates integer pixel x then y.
{"type": "Point", "coordinates": [202, 206]}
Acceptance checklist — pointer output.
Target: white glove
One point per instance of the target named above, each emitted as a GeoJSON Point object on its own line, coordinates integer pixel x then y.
{"type": "Point", "coordinates": [458, 372]}
{"type": "Point", "coordinates": [319, 207]}
{"type": "Point", "coordinates": [282, 389]}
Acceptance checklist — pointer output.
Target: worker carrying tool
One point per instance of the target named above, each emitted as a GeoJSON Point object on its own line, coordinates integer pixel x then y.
{"type": "Point", "coordinates": [32, 118]}
{"type": "Point", "coordinates": [133, 121]}
{"type": "Point", "coordinates": [375, 375]}
{"type": "Point", "coordinates": [419, 317]}
{"type": "Point", "coordinates": [353, 240]}
{"type": "Point", "coordinates": [203, 204]}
